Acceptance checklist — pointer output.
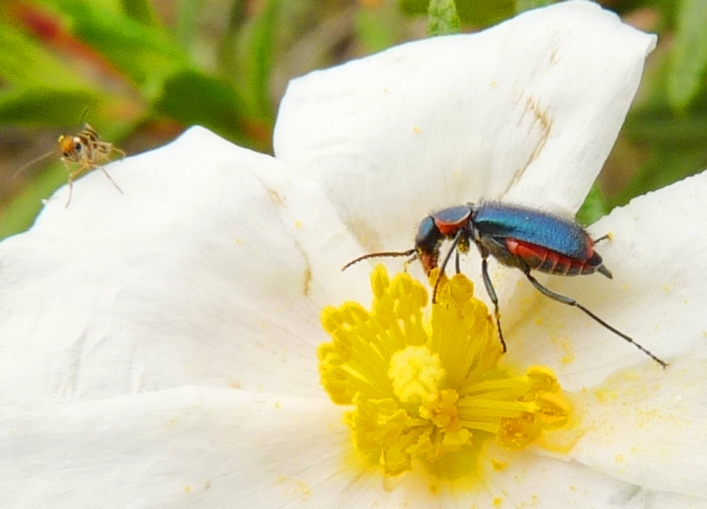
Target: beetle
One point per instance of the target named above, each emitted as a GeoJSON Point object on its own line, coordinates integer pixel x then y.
{"type": "Point", "coordinates": [520, 237]}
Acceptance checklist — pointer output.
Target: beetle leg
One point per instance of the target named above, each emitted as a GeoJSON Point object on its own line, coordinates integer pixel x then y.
{"type": "Point", "coordinates": [456, 262]}
{"type": "Point", "coordinates": [452, 249]}
{"type": "Point", "coordinates": [492, 295]}
{"type": "Point", "coordinates": [603, 237]}
{"type": "Point", "coordinates": [571, 302]}
{"type": "Point", "coordinates": [412, 258]}
{"type": "Point", "coordinates": [409, 261]}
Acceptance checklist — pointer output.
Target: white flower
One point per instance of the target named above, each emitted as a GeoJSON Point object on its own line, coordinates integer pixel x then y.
{"type": "Point", "coordinates": [158, 347]}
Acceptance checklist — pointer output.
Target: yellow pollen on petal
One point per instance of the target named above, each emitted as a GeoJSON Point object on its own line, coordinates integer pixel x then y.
{"type": "Point", "coordinates": [424, 386]}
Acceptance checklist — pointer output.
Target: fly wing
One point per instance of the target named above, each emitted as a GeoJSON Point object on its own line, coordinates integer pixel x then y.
{"type": "Point", "coordinates": [535, 227]}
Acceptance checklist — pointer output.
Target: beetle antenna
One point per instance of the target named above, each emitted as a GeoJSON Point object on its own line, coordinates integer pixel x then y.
{"type": "Point", "coordinates": [409, 252]}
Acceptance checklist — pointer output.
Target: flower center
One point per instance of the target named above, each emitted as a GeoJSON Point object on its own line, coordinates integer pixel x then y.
{"type": "Point", "coordinates": [430, 390]}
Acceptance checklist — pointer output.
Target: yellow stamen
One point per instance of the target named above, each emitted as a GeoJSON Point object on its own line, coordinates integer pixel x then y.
{"type": "Point", "coordinates": [415, 373]}
{"type": "Point", "coordinates": [427, 390]}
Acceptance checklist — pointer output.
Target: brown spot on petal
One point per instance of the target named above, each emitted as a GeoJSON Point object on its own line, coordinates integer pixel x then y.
{"type": "Point", "coordinates": [542, 122]}
{"type": "Point", "coordinates": [275, 197]}
{"type": "Point", "coordinates": [539, 126]}
{"type": "Point", "coordinates": [307, 270]}
{"type": "Point", "coordinates": [365, 235]}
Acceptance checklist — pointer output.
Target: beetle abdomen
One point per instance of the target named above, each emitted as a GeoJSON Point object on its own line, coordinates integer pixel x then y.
{"type": "Point", "coordinates": [552, 262]}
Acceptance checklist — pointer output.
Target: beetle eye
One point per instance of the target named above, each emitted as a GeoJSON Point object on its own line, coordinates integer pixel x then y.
{"type": "Point", "coordinates": [77, 146]}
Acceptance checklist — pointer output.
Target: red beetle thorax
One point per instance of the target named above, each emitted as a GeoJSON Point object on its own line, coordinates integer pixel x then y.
{"type": "Point", "coordinates": [428, 261]}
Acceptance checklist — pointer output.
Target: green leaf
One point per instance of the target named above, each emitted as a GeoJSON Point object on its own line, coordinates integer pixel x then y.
{"type": "Point", "coordinates": [193, 97]}
{"type": "Point", "coordinates": [689, 54]}
{"type": "Point", "coordinates": [20, 213]}
{"type": "Point", "coordinates": [442, 18]}
{"type": "Point", "coordinates": [262, 56]}
{"type": "Point", "coordinates": [381, 28]}
{"type": "Point", "coordinates": [187, 16]}
{"type": "Point", "coordinates": [663, 168]}
{"type": "Point", "coordinates": [247, 55]}
{"type": "Point", "coordinates": [25, 62]}
{"type": "Point", "coordinates": [145, 54]}
{"type": "Point", "coordinates": [593, 207]}
{"type": "Point", "coordinates": [659, 128]}
{"type": "Point", "coordinates": [480, 13]}
{"type": "Point", "coordinates": [140, 11]}
{"type": "Point", "coordinates": [44, 106]}
{"type": "Point", "coordinates": [526, 5]}
{"type": "Point", "coordinates": [664, 147]}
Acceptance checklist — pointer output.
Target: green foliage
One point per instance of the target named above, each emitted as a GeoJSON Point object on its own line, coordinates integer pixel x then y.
{"type": "Point", "coordinates": [478, 13]}
{"type": "Point", "coordinates": [593, 207]}
{"type": "Point", "coordinates": [197, 98]}
{"type": "Point", "coordinates": [39, 105]}
{"type": "Point", "coordinates": [379, 29]}
{"type": "Point", "coordinates": [689, 54]}
{"type": "Point", "coordinates": [442, 18]}
{"type": "Point", "coordinates": [668, 126]}
{"type": "Point", "coordinates": [187, 28]}
{"type": "Point", "coordinates": [140, 11]}
{"type": "Point", "coordinates": [259, 58]}
{"type": "Point", "coordinates": [145, 54]}
{"type": "Point", "coordinates": [525, 5]}
{"type": "Point", "coordinates": [26, 63]}
{"type": "Point", "coordinates": [672, 148]}
{"type": "Point", "coordinates": [19, 214]}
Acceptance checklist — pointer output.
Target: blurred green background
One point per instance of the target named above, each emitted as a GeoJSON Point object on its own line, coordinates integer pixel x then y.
{"type": "Point", "coordinates": [144, 70]}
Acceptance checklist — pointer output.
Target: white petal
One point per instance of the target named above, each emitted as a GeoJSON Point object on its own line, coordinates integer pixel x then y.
{"type": "Point", "coordinates": [647, 499]}
{"type": "Point", "coordinates": [649, 427]}
{"type": "Point", "coordinates": [228, 448]}
{"type": "Point", "coordinates": [524, 479]}
{"type": "Point", "coordinates": [171, 448]}
{"type": "Point", "coordinates": [210, 269]}
{"type": "Point", "coordinates": [525, 112]}
{"type": "Point", "coordinates": [657, 295]}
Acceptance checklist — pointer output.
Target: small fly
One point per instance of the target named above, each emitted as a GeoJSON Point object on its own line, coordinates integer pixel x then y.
{"type": "Point", "coordinates": [81, 153]}
{"type": "Point", "coordinates": [89, 152]}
